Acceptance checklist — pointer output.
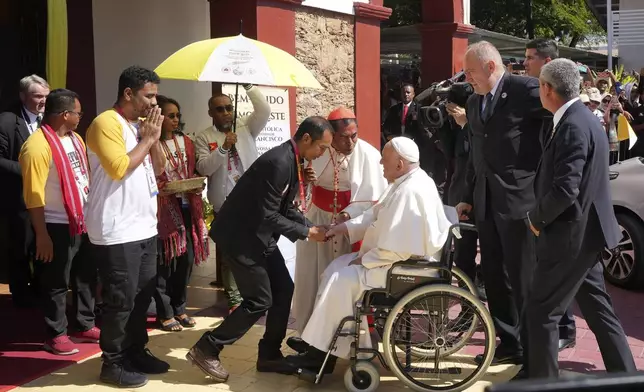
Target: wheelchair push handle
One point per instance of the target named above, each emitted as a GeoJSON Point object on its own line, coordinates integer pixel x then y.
{"type": "Point", "coordinates": [455, 230]}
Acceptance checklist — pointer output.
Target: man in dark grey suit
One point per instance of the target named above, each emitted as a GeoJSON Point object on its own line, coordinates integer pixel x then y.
{"type": "Point", "coordinates": [573, 221]}
{"type": "Point", "coordinates": [506, 119]}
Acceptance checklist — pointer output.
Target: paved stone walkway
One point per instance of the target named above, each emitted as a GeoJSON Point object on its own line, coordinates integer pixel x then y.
{"type": "Point", "coordinates": [240, 358]}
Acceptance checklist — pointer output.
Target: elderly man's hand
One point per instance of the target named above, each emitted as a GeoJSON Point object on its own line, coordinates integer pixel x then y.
{"type": "Point", "coordinates": [457, 112]}
{"type": "Point", "coordinates": [463, 210]}
{"type": "Point", "coordinates": [356, 261]}
{"type": "Point", "coordinates": [336, 230]}
{"type": "Point", "coordinates": [342, 217]}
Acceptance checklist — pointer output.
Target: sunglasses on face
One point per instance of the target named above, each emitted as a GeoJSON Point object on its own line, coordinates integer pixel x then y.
{"type": "Point", "coordinates": [172, 116]}
{"type": "Point", "coordinates": [587, 103]}
{"type": "Point", "coordinates": [225, 108]}
{"type": "Point", "coordinates": [606, 101]}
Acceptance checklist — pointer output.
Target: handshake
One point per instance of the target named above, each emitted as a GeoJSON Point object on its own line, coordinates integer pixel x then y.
{"type": "Point", "coordinates": [323, 233]}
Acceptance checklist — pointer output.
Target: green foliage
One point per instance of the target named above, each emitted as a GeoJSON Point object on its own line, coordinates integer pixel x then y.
{"type": "Point", "coordinates": [405, 12]}
{"type": "Point", "coordinates": [208, 213]}
{"type": "Point", "coordinates": [569, 21]}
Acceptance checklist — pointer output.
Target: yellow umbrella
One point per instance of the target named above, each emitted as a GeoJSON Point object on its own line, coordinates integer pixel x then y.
{"type": "Point", "coordinates": [237, 60]}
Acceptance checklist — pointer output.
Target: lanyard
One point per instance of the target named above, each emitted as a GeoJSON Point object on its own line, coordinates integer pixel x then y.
{"type": "Point", "coordinates": [233, 156]}
{"type": "Point", "coordinates": [132, 129]}
{"type": "Point", "coordinates": [134, 132]}
{"type": "Point", "coordinates": [300, 177]}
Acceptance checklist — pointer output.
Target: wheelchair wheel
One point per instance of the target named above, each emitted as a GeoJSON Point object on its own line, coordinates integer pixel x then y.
{"type": "Point", "coordinates": [367, 380]}
{"type": "Point", "coordinates": [426, 368]}
{"type": "Point", "coordinates": [462, 280]}
{"type": "Point", "coordinates": [467, 324]}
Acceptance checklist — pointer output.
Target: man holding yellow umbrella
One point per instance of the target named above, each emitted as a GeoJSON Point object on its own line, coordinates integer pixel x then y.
{"type": "Point", "coordinates": [246, 227]}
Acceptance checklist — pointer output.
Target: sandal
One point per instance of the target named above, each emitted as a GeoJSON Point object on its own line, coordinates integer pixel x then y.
{"type": "Point", "coordinates": [186, 321]}
{"type": "Point", "coordinates": [170, 325]}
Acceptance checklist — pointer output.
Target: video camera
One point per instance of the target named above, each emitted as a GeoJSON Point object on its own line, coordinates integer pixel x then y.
{"type": "Point", "coordinates": [454, 90]}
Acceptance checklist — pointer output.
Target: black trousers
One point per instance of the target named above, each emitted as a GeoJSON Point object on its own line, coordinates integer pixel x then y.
{"type": "Point", "coordinates": [265, 285]}
{"type": "Point", "coordinates": [507, 256]}
{"type": "Point", "coordinates": [171, 292]}
{"type": "Point", "coordinates": [127, 273]}
{"type": "Point", "coordinates": [465, 252]}
{"type": "Point", "coordinates": [557, 280]}
{"type": "Point", "coordinates": [71, 260]}
{"type": "Point", "coordinates": [21, 245]}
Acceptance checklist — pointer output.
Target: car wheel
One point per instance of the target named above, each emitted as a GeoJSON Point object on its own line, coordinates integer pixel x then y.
{"type": "Point", "coordinates": [624, 265]}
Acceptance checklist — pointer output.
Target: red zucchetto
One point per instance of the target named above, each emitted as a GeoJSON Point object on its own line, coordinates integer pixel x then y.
{"type": "Point", "coordinates": [341, 113]}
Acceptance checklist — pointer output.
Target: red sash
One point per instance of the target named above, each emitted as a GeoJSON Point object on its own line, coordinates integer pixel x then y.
{"type": "Point", "coordinates": [323, 199]}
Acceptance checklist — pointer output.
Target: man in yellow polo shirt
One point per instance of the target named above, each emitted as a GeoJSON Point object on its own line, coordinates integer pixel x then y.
{"type": "Point", "coordinates": [124, 158]}
{"type": "Point", "coordinates": [55, 176]}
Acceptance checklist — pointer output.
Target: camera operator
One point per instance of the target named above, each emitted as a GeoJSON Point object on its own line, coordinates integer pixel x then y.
{"type": "Point", "coordinates": [403, 119]}
{"type": "Point", "coordinates": [466, 248]}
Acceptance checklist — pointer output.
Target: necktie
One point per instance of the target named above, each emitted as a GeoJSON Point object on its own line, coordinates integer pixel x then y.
{"type": "Point", "coordinates": [39, 120]}
{"type": "Point", "coordinates": [487, 110]}
{"type": "Point", "coordinates": [404, 116]}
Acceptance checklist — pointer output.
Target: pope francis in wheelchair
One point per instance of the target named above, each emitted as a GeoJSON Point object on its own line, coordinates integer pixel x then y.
{"type": "Point", "coordinates": [402, 277]}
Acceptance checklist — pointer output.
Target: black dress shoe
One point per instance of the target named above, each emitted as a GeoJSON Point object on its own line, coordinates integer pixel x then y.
{"type": "Point", "coordinates": [566, 343]}
{"type": "Point", "coordinates": [147, 363]}
{"type": "Point", "coordinates": [122, 376]}
{"type": "Point", "coordinates": [502, 359]}
{"type": "Point", "coordinates": [312, 361]}
{"type": "Point", "coordinates": [522, 375]}
{"type": "Point", "coordinates": [275, 365]}
{"type": "Point", "coordinates": [297, 344]}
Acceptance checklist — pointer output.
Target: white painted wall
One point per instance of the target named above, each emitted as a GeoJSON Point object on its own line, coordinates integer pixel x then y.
{"type": "Point", "coordinates": [631, 54]}
{"type": "Point", "coordinates": [146, 32]}
{"type": "Point", "coordinates": [342, 6]}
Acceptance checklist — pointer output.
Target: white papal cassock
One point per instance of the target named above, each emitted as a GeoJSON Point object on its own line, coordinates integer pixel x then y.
{"type": "Point", "coordinates": [359, 184]}
{"type": "Point", "coordinates": [409, 220]}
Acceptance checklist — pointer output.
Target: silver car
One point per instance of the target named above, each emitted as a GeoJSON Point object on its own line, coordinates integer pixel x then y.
{"type": "Point", "coordinates": [624, 265]}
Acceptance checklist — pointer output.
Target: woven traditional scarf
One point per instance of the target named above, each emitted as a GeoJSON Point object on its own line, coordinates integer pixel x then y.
{"type": "Point", "coordinates": [172, 230]}
{"type": "Point", "coordinates": [71, 195]}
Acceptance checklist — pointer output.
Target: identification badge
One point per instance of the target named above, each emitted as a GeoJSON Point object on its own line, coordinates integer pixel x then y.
{"type": "Point", "coordinates": [149, 173]}
{"type": "Point", "coordinates": [234, 175]}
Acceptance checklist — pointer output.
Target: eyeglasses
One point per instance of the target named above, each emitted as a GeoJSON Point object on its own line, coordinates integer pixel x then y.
{"type": "Point", "coordinates": [223, 109]}
{"type": "Point", "coordinates": [606, 101]}
{"type": "Point", "coordinates": [79, 114]}
{"type": "Point", "coordinates": [172, 116]}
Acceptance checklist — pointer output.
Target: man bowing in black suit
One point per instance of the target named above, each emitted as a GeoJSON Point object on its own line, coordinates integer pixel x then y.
{"type": "Point", "coordinates": [259, 209]}
{"type": "Point", "coordinates": [505, 117]}
{"type": "Point", "coordinates": [573, 221]}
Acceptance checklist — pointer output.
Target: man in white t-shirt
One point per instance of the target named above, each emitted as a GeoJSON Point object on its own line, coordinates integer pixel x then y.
{"type": "Point", "coordinates": [55, 176]}
{"type": "Point", "coordinates": [224, 153]}
{"type": "Point", "coordinates": [121, 213]}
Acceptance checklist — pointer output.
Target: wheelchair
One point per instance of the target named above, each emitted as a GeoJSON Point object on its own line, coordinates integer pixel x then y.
{"type": "Point", "coordinates": [420, 328]}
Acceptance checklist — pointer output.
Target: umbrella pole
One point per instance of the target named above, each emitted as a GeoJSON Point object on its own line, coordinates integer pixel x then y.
{"type": "Point", "coordinates": [236, 104]}
{"type": "Point", "coordinates": [237, 88]}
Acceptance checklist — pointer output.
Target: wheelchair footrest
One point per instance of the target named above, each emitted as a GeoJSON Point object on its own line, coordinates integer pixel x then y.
{"type": "Point", "coordinates": [449, 370]}
{"type": "Point", "coordinates": [308, 376]}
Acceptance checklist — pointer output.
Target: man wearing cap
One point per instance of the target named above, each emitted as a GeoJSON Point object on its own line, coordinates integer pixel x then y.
{"type": "Point", "coordinates": [349, 181]}
{"type": "Point", "coordinates": [408, 220]}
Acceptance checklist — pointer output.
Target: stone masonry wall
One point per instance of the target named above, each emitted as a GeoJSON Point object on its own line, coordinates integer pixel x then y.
{"type": "Point", "coordinates": [324, 43]}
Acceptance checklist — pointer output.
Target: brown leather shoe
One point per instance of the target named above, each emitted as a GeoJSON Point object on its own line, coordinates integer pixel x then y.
{"type": "Point", "coordinates": [209, 364]}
